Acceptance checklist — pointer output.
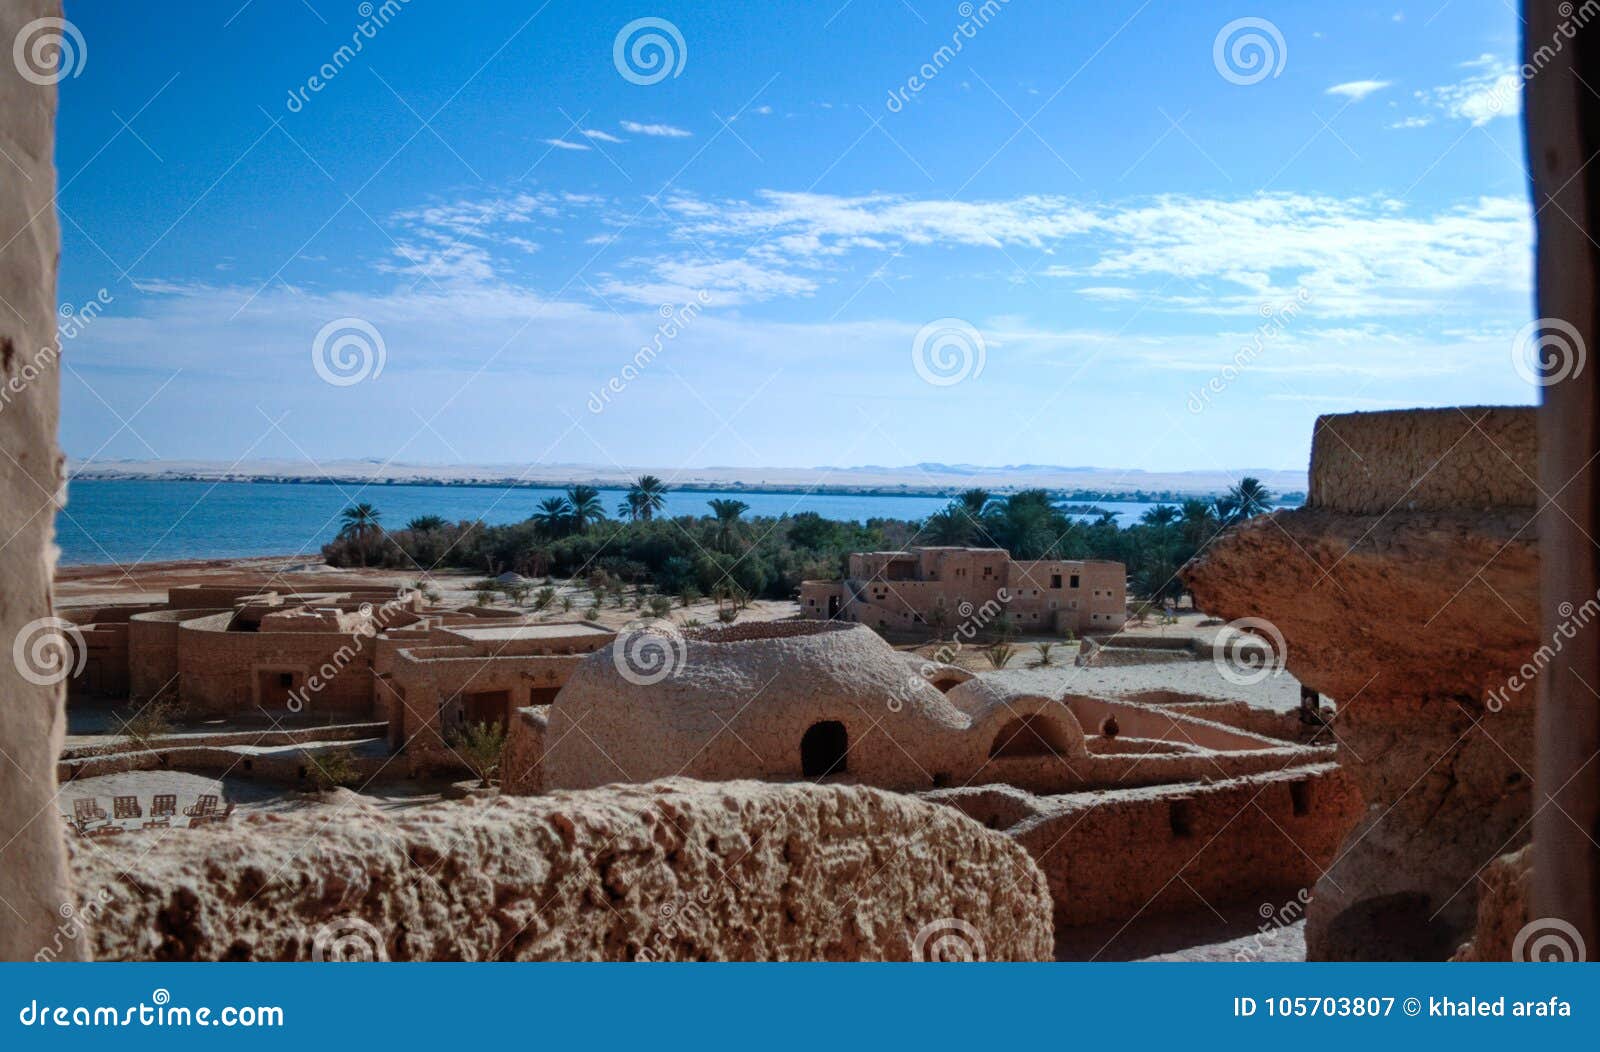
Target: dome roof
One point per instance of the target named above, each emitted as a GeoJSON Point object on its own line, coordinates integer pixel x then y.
{"type": "Point", "coordinates": [739, 703]}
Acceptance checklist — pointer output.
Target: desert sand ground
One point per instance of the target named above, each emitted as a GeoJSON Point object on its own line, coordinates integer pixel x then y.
{"type": "Point", "coordinates": [88, 585]}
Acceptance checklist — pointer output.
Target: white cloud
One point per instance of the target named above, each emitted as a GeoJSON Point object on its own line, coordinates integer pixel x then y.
{"type": "Point", "coordinates": [1491, 89]}
{"type": "Point", "coordinates": [562, 144]}
{"type": "Point", "coordinates": [452, 243]}
{"type": "Point", "coordinates": [664, 131]}
{"type": "Point", "coordinates": [1359, 256]}
{"type": "Point", "coordinates": [1356, 90]}
{"type": "Point", "coordinates": [1412, 122]}
{"type": "Point", "coordinates": [727, 282]}
{"type": "Point", "coordinates": [597, 134]}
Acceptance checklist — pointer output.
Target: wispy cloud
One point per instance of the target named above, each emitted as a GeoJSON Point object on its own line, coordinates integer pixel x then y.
{"type": "Point", "coordinates": [598, 135]}
{"type": "Point", "coordinates": [662, 131]}
{"type": "Point", "coordinates": [562, 144]}
{"type": "Point", "coordinates": [1489, 90]}
{"type": "Point", "coordinates": [1364, 255]}
{"type": "Point", "coordinates": [1356, 90]}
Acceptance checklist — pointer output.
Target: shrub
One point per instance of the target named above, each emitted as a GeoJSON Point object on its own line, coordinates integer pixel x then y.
{"type": "Point", "coordinates": [480, 745]}
{"type": "Point", "coordinates": [660, 606]}
{"type": "Point", "coordinates": [149, 721]}
{"type": "Point", "coordinates": [1000, 654]}
{"type": "Point", "coordinates": [333, 768]}
{"type": "Point", "coordinates": [1044, 652]}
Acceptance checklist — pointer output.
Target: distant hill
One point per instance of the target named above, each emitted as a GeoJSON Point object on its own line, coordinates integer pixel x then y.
{"type": "Point", "coordinates": [926, 478]}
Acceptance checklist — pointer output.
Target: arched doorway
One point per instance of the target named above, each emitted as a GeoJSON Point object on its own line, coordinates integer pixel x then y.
{"type": "Point", "coordinates": [823, 749]}
{"type": "Point", "coordinates": [1032, 735]}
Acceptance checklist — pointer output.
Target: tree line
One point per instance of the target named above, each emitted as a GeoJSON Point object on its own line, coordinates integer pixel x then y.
{"type": "Point", "coordinates": [725, 551]}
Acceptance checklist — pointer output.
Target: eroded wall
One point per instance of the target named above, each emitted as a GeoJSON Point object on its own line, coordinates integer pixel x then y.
{"type": "Point", "coordinates": [33, 875]}
{"type": "Point", "coordinates": [675, 870]}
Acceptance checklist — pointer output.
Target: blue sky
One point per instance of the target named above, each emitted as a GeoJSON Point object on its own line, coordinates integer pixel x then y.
{"type": "Point", "coordinates": [1086, 200]}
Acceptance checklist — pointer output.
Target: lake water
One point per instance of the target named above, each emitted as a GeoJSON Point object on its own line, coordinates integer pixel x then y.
{"type": "Point", "coordinates": [137, 521]}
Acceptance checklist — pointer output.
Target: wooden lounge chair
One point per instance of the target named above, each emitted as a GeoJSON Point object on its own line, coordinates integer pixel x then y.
{"type": "Point", "coordinates": [103, 831]}
{"type": "Point", "coordinates": [214, 818]}
{"type": "Point", "coordinates": [86, 809]}
{"type": "Point", "coordinates": [164, 805]}
{"type": "Point", "coordinates": [206, 805]}
{"type": "Point", "coordinates": [126, 807]}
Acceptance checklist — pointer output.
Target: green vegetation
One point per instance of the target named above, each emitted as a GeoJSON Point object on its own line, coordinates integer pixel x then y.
{"type": "Point", "coordinates": [732, 558]}
{"type": "Point", "coordinates": [480, 746]}
{"type": "Point", "coordinates": [332, 768]}
{"type": "Point", "coordinates": [142, 724]}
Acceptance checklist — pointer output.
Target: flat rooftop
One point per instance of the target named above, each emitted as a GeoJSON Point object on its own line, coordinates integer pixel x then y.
{"type": "Point", "coordinates": [507, 633]}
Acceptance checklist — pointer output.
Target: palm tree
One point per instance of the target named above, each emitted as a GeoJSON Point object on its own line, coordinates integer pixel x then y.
{"type": "Point", "coordinates": [359, 524]}
{"type": "Point", "coordinates": [426, 523]}
{"type": "Point", "coordinates": [1248, 499]}
{"type": "Point", "coordinates": [727, 512]}
{"type": "Point", "coordinates": [973, 502]}
{"type": "Point", "coordinates": [1197, 521]}
{"type": "Point", "coordinates": [631, 506]}
{"type": "Point", "coordinates": [1161, 516]}
{"type": "Point", "coordinates": [949, 525]}
{"type": "Point", "coordinates": [647, 496]}
{"type": "Point", "coordinates": [1027, 524]}
{"type": "Point", "coordinates": [586, 506]}
{"type": "Point", "coordinates": [554, 516]}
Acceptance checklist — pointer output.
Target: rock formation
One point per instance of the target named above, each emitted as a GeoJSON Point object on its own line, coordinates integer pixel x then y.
{"type": "Point", "coordinates": [33, 878]}
{"type": "Point", "coordinates": [674, 870]}
{"type": "Point", "coordinates": [1407, 591]}
{"type": "Point", "coordinates": [1502, 908]}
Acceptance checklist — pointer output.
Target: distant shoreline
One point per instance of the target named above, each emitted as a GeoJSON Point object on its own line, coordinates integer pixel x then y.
{"type": "Point", "coordinates": [1077, 495]}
